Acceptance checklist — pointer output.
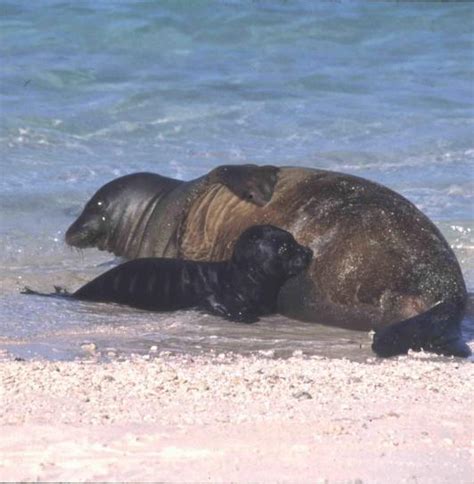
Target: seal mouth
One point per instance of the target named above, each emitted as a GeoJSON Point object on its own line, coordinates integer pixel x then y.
{"type": "Point", "coordinates": [82, 234]}
{"type": "Point", "coordinates": [301, 261]}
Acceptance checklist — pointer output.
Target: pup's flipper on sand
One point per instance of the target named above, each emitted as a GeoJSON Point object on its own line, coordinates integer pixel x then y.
{"type": "Point", "coordinates": [238, 313]}
{"type": "Point", "coordinates": [58, 292]}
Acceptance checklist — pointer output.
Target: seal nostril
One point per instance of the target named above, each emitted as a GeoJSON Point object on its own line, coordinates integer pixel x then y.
{"type": "Point", "coordinates": [71, 235]}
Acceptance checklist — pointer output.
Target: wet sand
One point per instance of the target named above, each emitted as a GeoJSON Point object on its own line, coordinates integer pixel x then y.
{"type": "Point", "coordinates": [221, 417]}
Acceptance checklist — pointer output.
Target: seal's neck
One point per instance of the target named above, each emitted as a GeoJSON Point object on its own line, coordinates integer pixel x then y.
{"type": "Point", "coordinates": [133, 223]}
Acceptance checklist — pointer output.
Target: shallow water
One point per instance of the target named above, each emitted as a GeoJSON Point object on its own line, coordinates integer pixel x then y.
{"type": "Point", "coordinates": [90, 92]}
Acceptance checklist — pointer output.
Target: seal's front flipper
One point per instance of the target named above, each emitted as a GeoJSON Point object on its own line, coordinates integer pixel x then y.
{"type": "Point", "coordinates": [242, 315]}
{"type": "Point", "coordinates": [231, 311]}
{"type": "Point", "coordinates": [252, 183]}
{"type": "Point", "coordinates": [58, 292]}
{"type": "Point", "coordinates": [437, 330]}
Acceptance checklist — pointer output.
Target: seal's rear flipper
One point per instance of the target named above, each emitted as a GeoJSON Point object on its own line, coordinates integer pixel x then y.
{"type": "Point", "coordinates": [437, 330]}
{"type": "Point", "coordinates": [58, 292]}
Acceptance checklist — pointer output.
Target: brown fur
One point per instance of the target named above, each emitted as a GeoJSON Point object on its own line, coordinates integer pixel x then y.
{"type": "Point", "coordinates": [378, 259]}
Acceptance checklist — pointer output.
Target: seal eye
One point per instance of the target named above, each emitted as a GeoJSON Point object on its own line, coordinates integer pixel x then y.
{"type": "Point", "coordinates": [95, 207]}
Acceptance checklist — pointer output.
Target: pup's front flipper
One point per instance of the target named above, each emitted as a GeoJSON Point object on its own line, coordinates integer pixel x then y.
{"type": "Point", "coordinates": [233, 311]}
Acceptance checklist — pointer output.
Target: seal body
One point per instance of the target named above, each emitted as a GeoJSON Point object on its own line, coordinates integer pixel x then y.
{"type": "Point", "coordinates": [378, 260]}
{"type": "Point", "coordinates": [240, 289]}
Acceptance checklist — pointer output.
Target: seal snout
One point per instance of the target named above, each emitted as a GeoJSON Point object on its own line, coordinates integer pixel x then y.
{"type": "Point", "coordinates": [306, 255]}
{"type": "Point", "coordinates": [73, 235]}
{"type": "Point", "coordinates": [82, 233]}
{"type": "Point", "coordinates": [301, 260]}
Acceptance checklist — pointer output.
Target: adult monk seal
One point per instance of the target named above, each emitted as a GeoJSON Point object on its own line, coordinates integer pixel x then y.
{"type": "Point", "coordinates": [240, 289]}
{"type": "Point", "coordinates": [378, 260]}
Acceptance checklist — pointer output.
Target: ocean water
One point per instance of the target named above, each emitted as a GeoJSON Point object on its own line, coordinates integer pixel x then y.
{"type": "Point", "coordinates": [94, 90]}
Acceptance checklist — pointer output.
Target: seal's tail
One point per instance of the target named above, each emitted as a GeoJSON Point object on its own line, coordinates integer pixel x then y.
{"type": "Point", "coordinates": [58, 292]}
{"type": "Point", "coordinates": [437, 330]}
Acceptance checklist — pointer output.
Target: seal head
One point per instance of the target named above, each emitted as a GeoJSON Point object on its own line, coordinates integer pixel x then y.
{"type": "Point", "coordinates": [111, 219]}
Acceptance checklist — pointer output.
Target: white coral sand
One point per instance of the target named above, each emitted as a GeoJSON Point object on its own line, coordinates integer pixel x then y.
{"type": "Point", "coordinates": [233, 418]}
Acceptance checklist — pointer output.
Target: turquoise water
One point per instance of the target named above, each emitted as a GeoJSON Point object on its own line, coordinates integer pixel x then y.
{"type": "Point", "coordinates": [94, 90]}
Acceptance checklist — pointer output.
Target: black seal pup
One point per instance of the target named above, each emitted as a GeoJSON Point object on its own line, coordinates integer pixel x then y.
{"type": "Point", "coordinates": [240, 289]}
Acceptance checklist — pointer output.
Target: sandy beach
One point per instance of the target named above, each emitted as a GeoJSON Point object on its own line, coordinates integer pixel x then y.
{"type": "Point", "coordinates": [222, 417]}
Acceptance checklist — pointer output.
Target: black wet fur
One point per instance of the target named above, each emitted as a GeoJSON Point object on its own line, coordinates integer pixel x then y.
{"type": "Point", "coordinates": [240, 289]}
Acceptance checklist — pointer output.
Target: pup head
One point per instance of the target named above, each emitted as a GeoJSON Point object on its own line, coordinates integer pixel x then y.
{"type": "Point", "coordinates": [270, 250]}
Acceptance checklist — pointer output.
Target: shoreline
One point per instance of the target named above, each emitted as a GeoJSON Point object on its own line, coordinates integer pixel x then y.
{"type": "Point", "coordinates": [221, 417]}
